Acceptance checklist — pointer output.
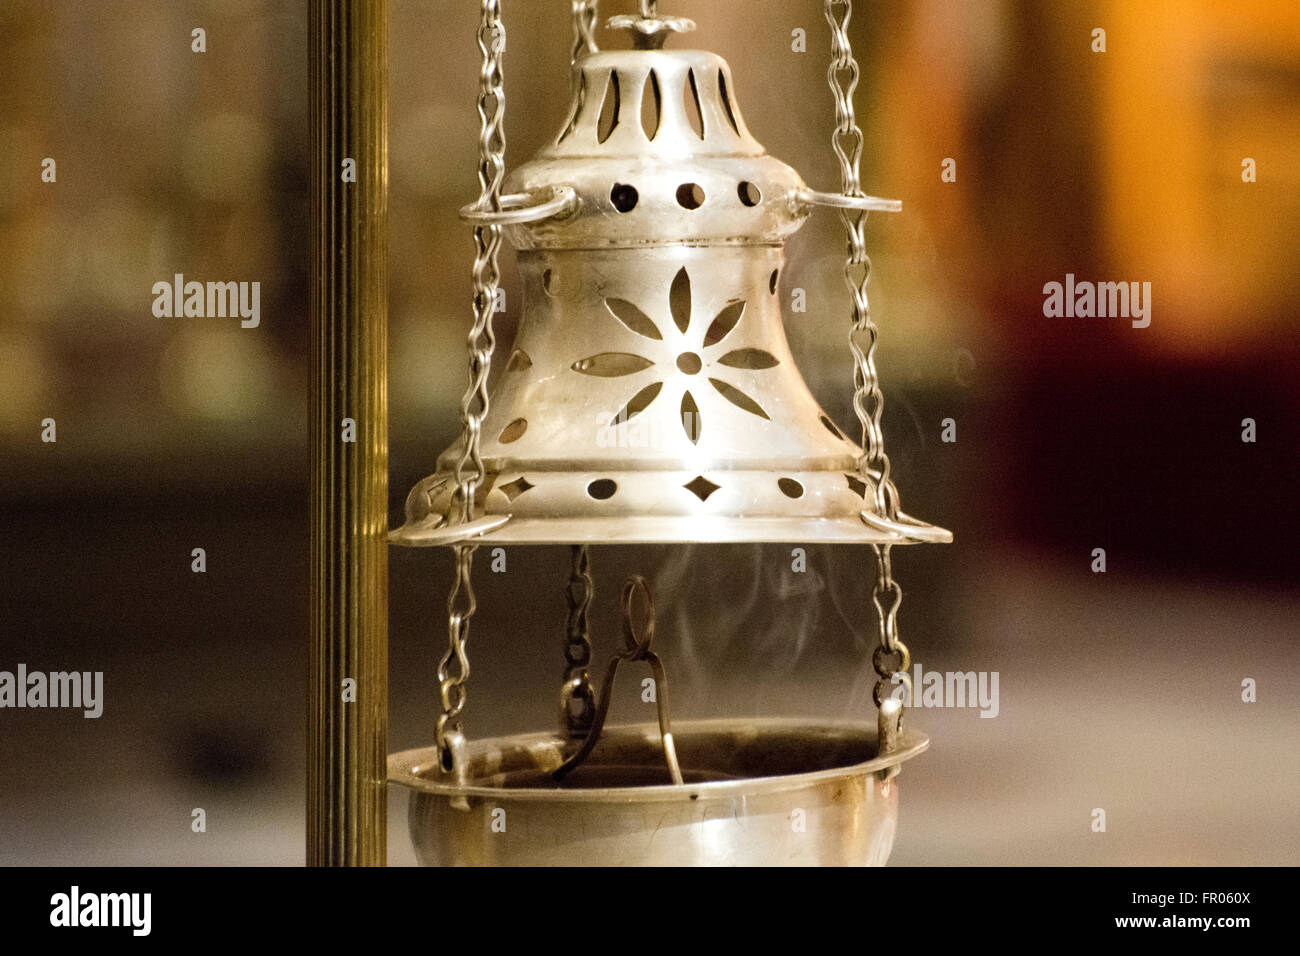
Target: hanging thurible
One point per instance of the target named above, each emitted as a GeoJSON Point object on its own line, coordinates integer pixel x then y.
{"type": "Point", "coordinates": [650, 397]}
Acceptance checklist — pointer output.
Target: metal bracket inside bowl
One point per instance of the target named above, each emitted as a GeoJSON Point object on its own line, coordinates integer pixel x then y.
{"type": "Point", "coordinates": [636, 649]}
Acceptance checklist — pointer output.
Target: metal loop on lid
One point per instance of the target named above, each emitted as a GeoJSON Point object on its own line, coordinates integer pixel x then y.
{"type": "Point", "coordinates": [907, 528]}
{"type": "Point", "coordinates": [517, 208]}
{"type": "Point", "coordinates": [811, 197]}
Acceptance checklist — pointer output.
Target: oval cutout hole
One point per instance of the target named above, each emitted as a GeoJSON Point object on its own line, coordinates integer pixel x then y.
{"type": "Point", "coordinates": [771, 281]}
{"type": "Point", "coordinates": [602, 489]}
{"type": "Point", "coordinates": [624, 197]}
{"type": "Point", "coordinates": [790, 488]}
{"type": "Point", "coordinates": [749, 194]}
{"type": "Point", "coordinates": [514, 431]}
{"type": "Point", "coordinates": [830, 427]}
{"type": "Point", "coordinates": [549, 283]}
{"type": "Point", "coordinates": [690, 195]}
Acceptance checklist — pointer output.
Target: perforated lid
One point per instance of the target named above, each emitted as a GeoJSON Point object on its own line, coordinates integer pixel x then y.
{"type": "Point", "coordinates": [657, 150]}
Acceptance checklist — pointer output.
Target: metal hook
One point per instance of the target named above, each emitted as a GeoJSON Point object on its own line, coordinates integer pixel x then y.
{"type": "Point", "coordinates": [635, 649]}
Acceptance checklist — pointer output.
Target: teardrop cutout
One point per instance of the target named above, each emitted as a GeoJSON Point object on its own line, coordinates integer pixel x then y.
{"type": "Point", "coordinates": [726, 101]}
{"type": "Point", "coordinates": [579, 101]}
{"type": "Point", "coordinates": [738, 398]}
{"type": "Point", "coordinates": [639, 403]}
{"type": "Point", "coordinates": [608, 109]}
{"type": "Point", "coordinates": [691, 102]}
{"type": "Point", "coordinates": [679, 300]}
{"type": "Point", "coordinates": [723, 323]}
{"type": "Point", "coordinates": [691, 422]}
{"type": "Point", "coordinates": [611, 364]}
{"type": "Point", "coordinates": [651, 106]}
{"type": "Point", "coordinates": [749, 358]}
{"type": "Point", "coordinates": [633, 318]}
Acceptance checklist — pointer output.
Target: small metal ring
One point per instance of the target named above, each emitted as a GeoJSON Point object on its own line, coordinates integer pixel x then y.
{"type": "Point", "coordinates": [578, 689]}
{"type": "Point", "coordinates": [811, 197]}
{"type": "Point", "coordinates": [637, 648]}
{"type": "Point", "coordinates": [517, 208]}
{"type": "Point", "coordinates": [900, 652]}
{"type": "Point", "coordinates": [895, 679]}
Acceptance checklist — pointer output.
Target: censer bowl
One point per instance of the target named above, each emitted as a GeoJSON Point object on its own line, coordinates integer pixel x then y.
{"type": "Point", "coordinates": [766, 792]}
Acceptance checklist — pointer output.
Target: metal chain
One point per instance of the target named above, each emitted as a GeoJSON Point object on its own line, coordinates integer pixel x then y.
{"type": "Point", "coordinates": [577, 691]}
{"type": "Point", "coordinates": [487, 273]}
{"type": "Point", "coordinates": [453, 671]}
{"type": "Point", "coordinates": [577, 652]}
{"type": "Point", "coordinates": [584, 29]}
{"type": "Point", "coordinates": [891, 656]}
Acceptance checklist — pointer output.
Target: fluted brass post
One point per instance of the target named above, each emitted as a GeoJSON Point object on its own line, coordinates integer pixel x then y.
{"type": "Point", "coordinates": [348, 653]}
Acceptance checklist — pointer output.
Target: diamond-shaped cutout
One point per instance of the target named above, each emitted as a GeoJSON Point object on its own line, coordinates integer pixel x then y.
{"type": "Point", "coordinates": [514, 489]}
{"type": "Point", "coordinates": [701, 487]}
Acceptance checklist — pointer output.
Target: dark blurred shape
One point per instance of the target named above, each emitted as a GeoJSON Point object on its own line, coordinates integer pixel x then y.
{"type": "Point", "coordinates": [222, 752]}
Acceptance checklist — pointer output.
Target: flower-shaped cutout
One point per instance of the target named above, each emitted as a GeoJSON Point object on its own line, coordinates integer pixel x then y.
{"type": "Point", "coordinates": [688, 346]}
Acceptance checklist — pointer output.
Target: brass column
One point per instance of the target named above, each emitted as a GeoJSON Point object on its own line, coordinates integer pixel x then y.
{"type": "Point", "coordinates": [347, 739]}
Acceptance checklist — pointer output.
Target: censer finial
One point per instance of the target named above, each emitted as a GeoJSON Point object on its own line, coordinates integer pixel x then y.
{"type": "Point", "coordinates": [649, 29]}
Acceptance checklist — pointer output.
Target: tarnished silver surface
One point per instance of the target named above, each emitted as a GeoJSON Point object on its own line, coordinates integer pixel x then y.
{"type": "Point", "coordinates": [651, 395]}
{"type": "Point", "coordinates": [757, 792]}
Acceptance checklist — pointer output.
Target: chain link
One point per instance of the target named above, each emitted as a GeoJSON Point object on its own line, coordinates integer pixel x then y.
{"type": "Point", "coordinates": [577, 696]}
{"type": "Point", "coordinates": [577, 651]}
{"type": "Point", "coordinates": [584, 29]}
{"type": "Point", "coordinates": [487, 272]}
{"type": "Point", "coordinates": [892, 656]}
{"type": "Point", "coordinates": [453, 671]}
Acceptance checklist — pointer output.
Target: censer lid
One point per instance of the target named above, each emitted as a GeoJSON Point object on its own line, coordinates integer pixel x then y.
{"type": "Point", "coordinates": [651, 396]}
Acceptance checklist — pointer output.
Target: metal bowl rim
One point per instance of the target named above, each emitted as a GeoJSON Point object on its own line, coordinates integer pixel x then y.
{"type": "Point", "coordinates": [404, 767]}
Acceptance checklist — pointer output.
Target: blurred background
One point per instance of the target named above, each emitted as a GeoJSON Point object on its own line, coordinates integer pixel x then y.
{"type": "Point", "coordinates": [1119, 691]}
